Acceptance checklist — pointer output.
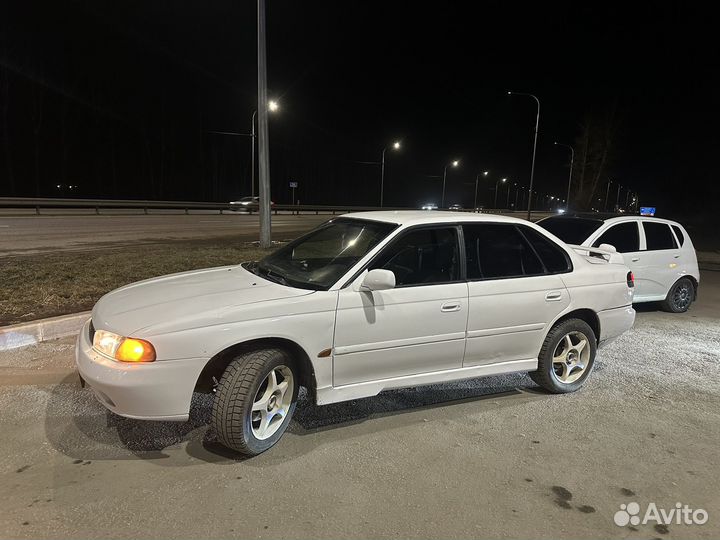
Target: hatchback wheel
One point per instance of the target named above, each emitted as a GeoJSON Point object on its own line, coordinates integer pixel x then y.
{"type": "Point", "coordinates": [255, 399]}
{"type": "Point", "coordinates": [680, 296]}
{"type": "Point", "coordinates": [567, 357]}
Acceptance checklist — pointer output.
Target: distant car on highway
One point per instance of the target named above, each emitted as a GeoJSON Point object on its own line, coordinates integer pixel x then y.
{"type": "Point", "coordinates": [364, 303]}
{"type": "Point", "coordinates": [455, 207]}
{"type": "Point", "coordinates": [246, 203]}
{"type": "Point", "coordinates": [658, 251]}
{"type": "Point", "coordinates": [429, 206]}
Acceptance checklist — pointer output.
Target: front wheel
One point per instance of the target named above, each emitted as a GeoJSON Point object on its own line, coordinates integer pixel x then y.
{"type": "Point", "coordinates": [679, 297]}
{"type": "Point", "coordinates": [255, 399]}
{"type": "Point", "coordinates": [567, 357]}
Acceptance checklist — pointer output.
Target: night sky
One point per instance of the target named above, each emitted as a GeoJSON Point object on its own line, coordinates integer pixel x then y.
{"type": "Point", "coordinates": [119, 98]}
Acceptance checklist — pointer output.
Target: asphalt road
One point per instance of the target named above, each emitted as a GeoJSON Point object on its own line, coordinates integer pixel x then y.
{"type": "Point", "coordinates": [40, 234]}
{"type": "Point", "coordinates": [491, 457]}
{"type": "Point", "coordinates": [83, 230]}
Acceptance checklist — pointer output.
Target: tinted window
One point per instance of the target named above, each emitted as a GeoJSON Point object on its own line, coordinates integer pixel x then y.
{"type": "Point", "coordinates": [498, 251]}
{"type": "Point", "coordinates": [658, 236]}
{"type": "Point", "coordinates": [679, 234]}
{"type": "Point", "coordinates": [571, 230]}
{"type": "Point", "coordinates": [624, 237]}
{"type": "Point", "coordinates": [422, 256]}
{"type": "Point", "coordinates": [553, 257]}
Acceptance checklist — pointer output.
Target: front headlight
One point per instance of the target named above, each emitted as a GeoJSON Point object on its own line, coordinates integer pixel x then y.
{"type": "Point", "coordinates": [122, 348]}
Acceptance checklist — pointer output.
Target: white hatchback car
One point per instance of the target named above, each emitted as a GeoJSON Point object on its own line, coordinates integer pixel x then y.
{"type": "Point", "coordinates": [658, 251]}
{"type": "Point", "coordinates": [364, 303]}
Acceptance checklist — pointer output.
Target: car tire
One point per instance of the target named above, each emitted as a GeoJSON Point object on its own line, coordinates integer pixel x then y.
{"type": "Point", "coordinates": [563, 363]}
{"type": "Point", "coordinates": [255, 400]}
{"type": "Point", "coordinates": [679, 297]}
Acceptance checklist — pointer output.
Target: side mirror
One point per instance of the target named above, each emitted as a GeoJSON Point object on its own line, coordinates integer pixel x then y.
{"type": "Point", "coordinates": [378, 280]}
{"type": "Point", "coordinates": [608, 247]}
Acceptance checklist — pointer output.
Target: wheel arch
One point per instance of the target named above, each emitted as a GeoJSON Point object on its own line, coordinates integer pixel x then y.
{"type": "Point", "coordinates": [584, 314]}
{"type": "Point", "coordinates": [216, 366]}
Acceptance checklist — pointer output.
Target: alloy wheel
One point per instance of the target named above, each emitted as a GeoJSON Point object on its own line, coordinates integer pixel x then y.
{"type": "Point", "coordinates": [272, 402]}
{"type": "Point", "coordinates": [571, 357]}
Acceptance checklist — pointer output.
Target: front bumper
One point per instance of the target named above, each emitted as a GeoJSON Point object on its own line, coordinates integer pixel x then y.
{"type": "Point", "coordinates": [614, 322]}
{"type": "Point", "coordinates": [160, 390]}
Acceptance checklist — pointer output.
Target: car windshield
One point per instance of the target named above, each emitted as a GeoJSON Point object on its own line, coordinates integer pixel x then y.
{"type": "Point", "coordinates": [321, 257]}
{"type": "Point", "coordinates": [571, 230]}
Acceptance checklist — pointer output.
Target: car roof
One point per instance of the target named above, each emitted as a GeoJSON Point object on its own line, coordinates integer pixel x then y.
{"type": "Point", "coordinates": [420, 217]}
{"type": "Point", "coordinates": [611, 218]}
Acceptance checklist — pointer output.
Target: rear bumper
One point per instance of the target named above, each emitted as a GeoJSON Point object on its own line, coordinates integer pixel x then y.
{"type": "Point", "coordinates": [614, 322]}
{"type": "Point", "coordinates": [160, 390]}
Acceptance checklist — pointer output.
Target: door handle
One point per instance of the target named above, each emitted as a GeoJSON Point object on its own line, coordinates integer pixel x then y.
{"type": "Point", "coordinates": [676, 256]}
{"type": "Point", "coordinates": [635, 259]}
{"type": "Point", "coordinates": [450, 306]}
{"type": "Point", "coordinates": [553, 296]}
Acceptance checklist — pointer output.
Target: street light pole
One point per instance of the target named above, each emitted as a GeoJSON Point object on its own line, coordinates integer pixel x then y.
{"type": "Point", "coordinates": [477, 179]}
{"type": "Point", "coordinates": [396, 146]}
{"type": "Point", "coordinates": [507, 203]}
{"type": "Point", "coordinates": [252, 160]}
{"type": "Point", "coordinates": [263, 140]}
{"type": "Point", "coordinates": [572, 160]}
{"type": "Point", "coordinates": [537, 125]}
{"type": "Point", "coordinates": [607, 195]}
{"type": "Point", "coordinates": [503, 180]}
{"type": "Point", "coordinates": [617, 199]}
{"type": "Point", "coordinates": [454, 164]}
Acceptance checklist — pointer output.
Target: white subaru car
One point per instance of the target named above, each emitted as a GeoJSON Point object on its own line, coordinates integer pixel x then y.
{"type": "Point", "coordinates": [364, 303]}
{"type": "Point", "coordinates": [658, 251]}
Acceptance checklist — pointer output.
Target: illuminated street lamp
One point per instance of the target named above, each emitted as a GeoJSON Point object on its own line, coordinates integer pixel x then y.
{"type": "Point", "coordinates": [503, 180]}
{"type": "Point", "coordinates": [454, 164]}
{"type": "Point", "coordinates": [477, 179]}
{"type": "Point", "coordinates": [537, 124]}
{"type": "Point", "coordinates": [273, 106]}
{"type": "Point", "coordinates": [395, 146]}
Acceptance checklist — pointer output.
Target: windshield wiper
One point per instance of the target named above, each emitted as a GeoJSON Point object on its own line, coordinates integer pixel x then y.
{"type": "Point", "coordinates": [272, 276]}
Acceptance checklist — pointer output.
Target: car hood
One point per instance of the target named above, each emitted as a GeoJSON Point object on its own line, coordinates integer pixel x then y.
{"type": "Point", "coordinates": [185, 300]}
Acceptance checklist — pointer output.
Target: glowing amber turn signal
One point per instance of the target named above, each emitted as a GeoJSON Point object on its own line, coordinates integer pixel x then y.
{"type": "Point", "coordinates": [135, 350]}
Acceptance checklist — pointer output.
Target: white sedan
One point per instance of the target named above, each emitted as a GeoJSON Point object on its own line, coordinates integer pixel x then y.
{"type": "Point", "coordinates": [364, 303]}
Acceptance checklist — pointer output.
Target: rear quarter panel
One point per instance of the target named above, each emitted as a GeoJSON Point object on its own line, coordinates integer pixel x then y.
{"type": "Point", "coordinates": [597, 286]}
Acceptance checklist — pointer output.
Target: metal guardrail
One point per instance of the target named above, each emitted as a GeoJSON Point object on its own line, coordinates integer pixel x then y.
{"type": "Point", "coordinates": [97, 204]}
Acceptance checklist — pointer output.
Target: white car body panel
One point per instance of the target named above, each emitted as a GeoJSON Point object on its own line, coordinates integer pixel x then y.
{"type": "Point", "coordinates": [378, 340]}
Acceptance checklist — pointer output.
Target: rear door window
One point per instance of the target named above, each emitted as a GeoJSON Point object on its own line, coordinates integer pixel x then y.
{"type": "Point", "coordinates": [658, 236]}
{"type": "Point", "coordinates": [552, 255]}
{"type": "Point", "coordinates": [495, 250]}
{"type": "Point", "coordinates": [624, 237]}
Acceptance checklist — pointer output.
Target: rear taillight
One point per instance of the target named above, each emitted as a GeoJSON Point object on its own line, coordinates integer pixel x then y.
{"type": "Point", "coordinates": [630, 280]}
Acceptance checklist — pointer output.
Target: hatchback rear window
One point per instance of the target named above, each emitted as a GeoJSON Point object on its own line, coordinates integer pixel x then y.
{"type": "Point", "coordinates": [571, 230]}
{"type": "Point", "coordinates": [679, 234]}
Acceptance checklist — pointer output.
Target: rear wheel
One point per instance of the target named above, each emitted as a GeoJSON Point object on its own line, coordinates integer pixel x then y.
{"type": "Point", "coordinates": [567, 357]}
{"type": "Point", "coordinates": [255, 399]}
{"type": "Point", "coordinates": [680, 296]}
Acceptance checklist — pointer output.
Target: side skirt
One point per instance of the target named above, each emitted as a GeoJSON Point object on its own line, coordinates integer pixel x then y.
{"type": "Point", "coordinates": [336, 394]}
